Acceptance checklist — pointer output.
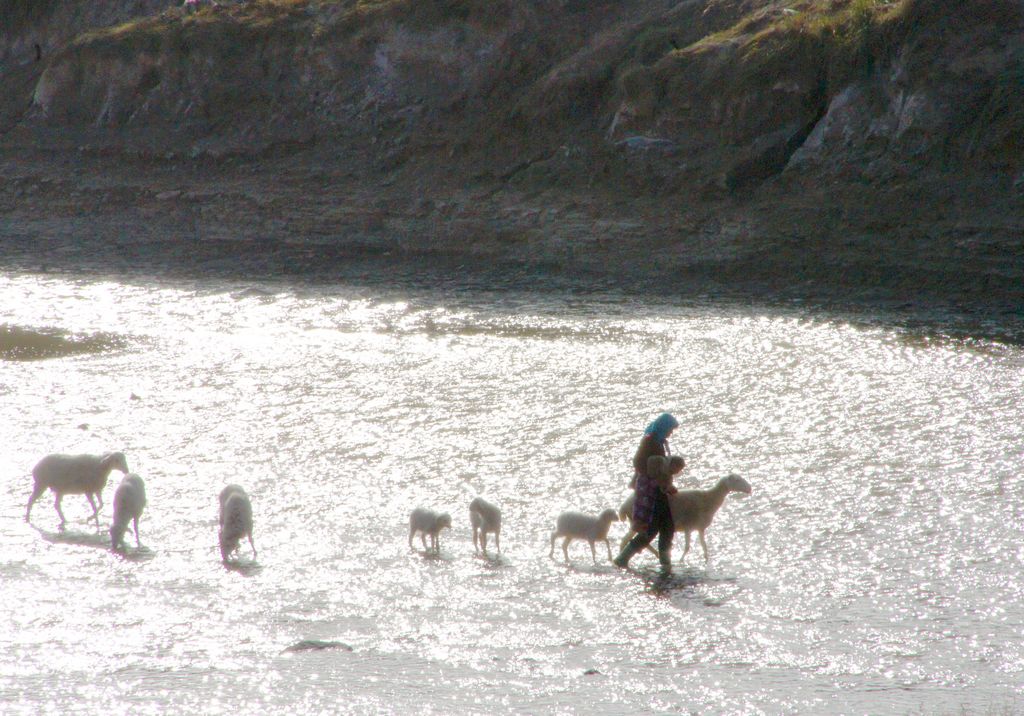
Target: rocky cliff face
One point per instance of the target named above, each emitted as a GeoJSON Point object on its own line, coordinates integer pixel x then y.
{"type": "Point", "coordinates": [734, 116]}
{"type": "Point", "coordinates": [740, 90]}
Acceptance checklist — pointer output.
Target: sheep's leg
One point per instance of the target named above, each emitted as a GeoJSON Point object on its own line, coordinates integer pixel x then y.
{"type": "Point", "coordinates": [253, 545]}
{"type": "Point", "coordinates": [411, 533]}
{"type": "Point", "coordinates": [593, 552]}
{"type": "Point", "coordinates": [483, 541]}
{"type": "Point", "coordinates": [423, 540]}
{"type": "Point", "coordinates": [38, 489]}
{"type": "Point", "coordinates": [56, 504]}
{"type": "Point", "coordinates": [497, 541]}
{"type": "Point", "coordinates": [704, 544]}
{"type": "Point", "coordinates": [95, 509]}
{"type": "Point", "coordinates": [135, 522]}
{"type": "Point", "coordinates": [565, 547]}
{"type": "Point", "coordinates": [686, 548]}
{"type": "Point", "coordinates": [476, 539]}
{"type": "Point", "coordinates": [609, 546]}
{"type": "Point", "coordinates": [551, 553]}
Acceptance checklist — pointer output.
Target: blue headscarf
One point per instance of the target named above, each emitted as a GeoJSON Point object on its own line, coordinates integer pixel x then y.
{"type": "Point", "coordinates": [660, 427]}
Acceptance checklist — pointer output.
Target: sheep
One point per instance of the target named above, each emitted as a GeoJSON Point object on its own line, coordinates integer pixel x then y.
{"type": "Point", "coordinates": [235, 520]}
{"type": "Point", "coordinates": [129, 499]}
{"type": "Point", "coordinates": [485, 518]}
{"type": "Point", "coordinates": [75, 475]}
{"type": "Point", "coordinates": [692, 509]}
{"type": "Point", "coordinates": [575, 525]}
{"type": "Point", "coordinates": [428, 522]}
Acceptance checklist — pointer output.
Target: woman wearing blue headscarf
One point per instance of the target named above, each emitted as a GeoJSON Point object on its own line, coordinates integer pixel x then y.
{"type": "Point", "coordinates": [651, 513]}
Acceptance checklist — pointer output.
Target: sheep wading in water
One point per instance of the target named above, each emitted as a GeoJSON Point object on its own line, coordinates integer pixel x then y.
{"type": "Point", "coordinates": [576, 525]}
{"type": "Point", "coordinates": [129, 499]}
{"type": "Point", "coordinates": [485, 518]}
{"type": "Point", "coordinates": [235, 520]}
{"type": "Point", "coordinates": [75, 475]}
{"type": "Point", "coordinates": [693, 510]}
{"type": "Point", "coordinates": [428, 522]}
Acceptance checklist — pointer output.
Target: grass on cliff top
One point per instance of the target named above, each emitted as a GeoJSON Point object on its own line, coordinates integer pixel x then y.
{"type": "Point", "coordinates": [849, 36]}
{"type": "Point", "coordinates": [229, 26]}
{"type": "Point", "coordinates": [236, 25]}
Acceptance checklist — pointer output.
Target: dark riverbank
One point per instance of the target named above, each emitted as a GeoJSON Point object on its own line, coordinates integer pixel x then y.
{"type": "Point", "coordinates": [83, 215]}
{"type": "Point", "coordinates": [843, 154]}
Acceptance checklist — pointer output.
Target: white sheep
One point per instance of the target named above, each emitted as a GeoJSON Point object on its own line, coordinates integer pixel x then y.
{"type": "Point", "coordinates": [235, 520]}
{"type": "Point", "coordinates": [129, 499]}
{"type": "Point", "coordinates": [428, 522]}
{"type": "Point", "coordinates": [75, 475]}
{"type": "Point", "coordinates": [692, 509]}
{"type": "Point", "coordinates": [576, 525]}
{"type": "Point", "coordinates": [485, 518]}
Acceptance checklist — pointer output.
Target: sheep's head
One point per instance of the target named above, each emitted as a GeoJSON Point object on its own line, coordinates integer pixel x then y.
{"type": "Point", "coordinates": [443, 520]}
{"type": "Point", "coordinates": [117, 536]}
{"type": "Point", "coordinates": [608, 516]}
{"type": "Point", "coordinates": [116, 461]}
{"type": "Point", "coordinates": [735, 483]}
{"type": "Point", "coordinates": [228, 544]}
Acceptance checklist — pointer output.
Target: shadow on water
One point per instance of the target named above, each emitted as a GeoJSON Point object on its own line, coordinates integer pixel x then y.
{"type": "Point", "coordinates": [662, 584]}
{"type": "Point", "coordinates": [946, 312]}
{"type": "Point", "coordinates": [430, 556]}
{"type": "Point", "coordinates": [493, 561]}
{"type": "Point", "coordinates": [138, 554]}
{"type": "Point", "coordinates": [83, 539]}
{"type": "Point", "coordinates": [247, 568]}
{"type": "Point", "coordinates": [100, 540]}
{"type": "Point", "coordinates": [591, 568]}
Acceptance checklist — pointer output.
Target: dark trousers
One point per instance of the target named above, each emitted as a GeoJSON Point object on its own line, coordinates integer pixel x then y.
{"type": "Point", "coordinates": [661, 525]}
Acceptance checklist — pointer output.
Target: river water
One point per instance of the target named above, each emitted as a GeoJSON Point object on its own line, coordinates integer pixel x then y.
{"type": "Point", "coordinates": [875, 568]}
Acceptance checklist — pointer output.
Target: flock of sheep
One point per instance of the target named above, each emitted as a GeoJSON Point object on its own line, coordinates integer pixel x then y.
{"type": "Point", "coordinates": [87, 475]}
{"type": "Point", "coordinates": [692, 510]}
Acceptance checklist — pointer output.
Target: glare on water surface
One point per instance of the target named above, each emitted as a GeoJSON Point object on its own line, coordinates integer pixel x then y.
{"type": "Point", "coordinates": [873, 568]}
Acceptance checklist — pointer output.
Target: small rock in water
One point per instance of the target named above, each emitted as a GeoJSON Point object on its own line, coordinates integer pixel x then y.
{"type": "Point", "coordinates": [317, 645]}
{"type": "Point", "coordinates": [83, 426]}
{"type": "Point", "coordinates": [591, 672]}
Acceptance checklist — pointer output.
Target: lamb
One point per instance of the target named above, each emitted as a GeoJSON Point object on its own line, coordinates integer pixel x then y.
{"type": "Point", "coordinates": [235, 520]}
{"type": "Point", "coordinates": [129, 499]}
{"type": "Point", "coordinates": [485, 518]}
{"type": "Point", "coordinates": [575, 525]}
{"type": "Point", "coordinates": [692, 509]}
{"type": "Point", "coordinates": [75, 475]}
{"type": "Point", "coordinates": [428, 522]}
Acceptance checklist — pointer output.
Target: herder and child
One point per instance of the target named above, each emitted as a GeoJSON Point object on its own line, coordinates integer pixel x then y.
{"type": "Point", "coordinates": [654, 468]}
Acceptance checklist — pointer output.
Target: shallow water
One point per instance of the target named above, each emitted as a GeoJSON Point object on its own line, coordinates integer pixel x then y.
{"type": "Point", "coordinates": [874, 568]}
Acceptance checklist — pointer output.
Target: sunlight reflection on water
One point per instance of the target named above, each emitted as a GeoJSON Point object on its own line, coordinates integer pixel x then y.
{"type": "Point", "coordinates": [873, 568]}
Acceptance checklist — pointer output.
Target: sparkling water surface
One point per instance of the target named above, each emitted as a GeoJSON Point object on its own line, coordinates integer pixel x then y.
{"type": "Point", "coordinates": [875, 568]}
